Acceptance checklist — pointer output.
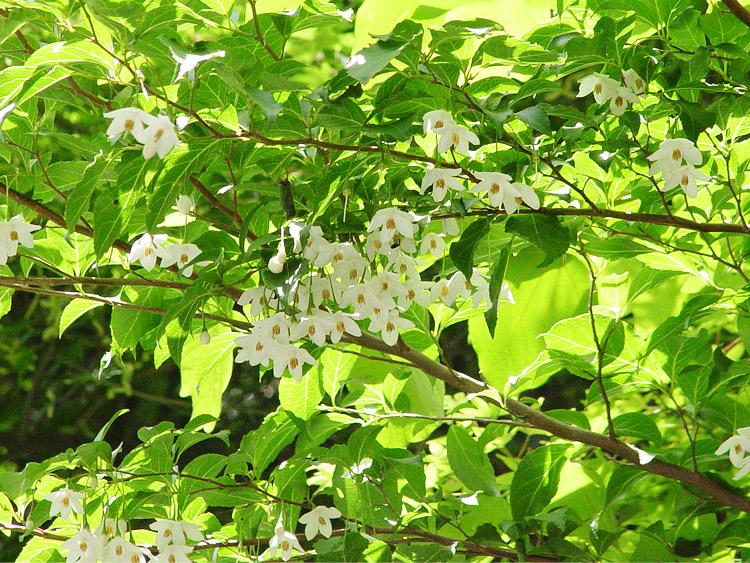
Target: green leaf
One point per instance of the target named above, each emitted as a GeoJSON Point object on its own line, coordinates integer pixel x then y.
{"type": "Point", "coordinates": [546, 232]}
{"type": "Point", "coordinates": [536, 118]}
{"type": "Point", "coordinates": [64, 52]}
{"type": "Point", "coordinates": [495, 286]}
{"type": "Point", "coordinates": [205, 371]}
{"type": "Point", "coordinates": [469, 462]}
{"type": "Point", "coordinates": [301, 398]}
{"type": "Point", "coordinates": [536, 479]}
{"type": "Point", "coordinates": [78, 201]}
{"type": "Point", "coordinates": [265, 444]}
{"type": "Point", "coordinates": [334, 367]}
{"type": "Point", "coordinates": [74, 310]}
{"type": "Point", "coordinates": [462, 251]}
{"type": "Point", "coordinates": [637, 425]}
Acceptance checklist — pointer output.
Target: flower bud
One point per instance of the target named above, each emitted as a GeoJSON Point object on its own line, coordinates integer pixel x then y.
{"type": "Point", "coordinates": [205, 338]}
{"type": "Point", "coordinates": [184, 204]}
{"type": "Point", "coordinates": [276, 264]}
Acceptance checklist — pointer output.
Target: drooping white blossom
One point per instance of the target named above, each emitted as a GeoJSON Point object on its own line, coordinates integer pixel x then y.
{"type": "Point", "coordinates": [120, 550]}
{"type": "Point", "coordinates": [127, 120]}
{"type": "Point", "coordinates": [436, 120]}
{"type": "Point", "coordinates": [146, 250]}
{"type": "Point", "coordinates": [634, 81]}
{"type": "Point", "coordinates": [738, 447]}
{"type": "Point", "coordinates": [441, 180]}
{"type": "Point", "coordinates": [290, 357]}
{"type": "Point", "coordinates": [286, 541]}
{"type": "Point", "coordinates": [432, 243]}
{"type": "Point", "coordinates": [672, 154]}
{"type": "Point", "coordinates": [391, 222]}
{"type": "Point", "coordinates": [159, 137]}
{"type": "Point", "coordinates": [457, 137]}
{"type": "Point", "coordinates": [684, 176]}
{"type": "Point", "coordinates": [64, 501]}
{"type": "Point", "coordinates": [83, 547]}
{"type": "Point", "coordinates": [603, 87]}
{"type": "Point", "coordinates": [175, 532]}
{"type": "Point", "coordinates": [621, 96]}
{"type": "Point", "coordinates": [185, 205]}
{"type": "Point", "coordinates": [318, 521]}
{"type": "Point", "coordinates": [180, 254]}
{"type": "Point", "coordinates": [12, 233]}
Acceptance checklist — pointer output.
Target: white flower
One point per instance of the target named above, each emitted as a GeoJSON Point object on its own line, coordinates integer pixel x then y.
{"type": "Point", "coordinates": [390, 222]}
{"type": "Point", "coordinates": [315, 241]}
{"type": "Point", "coordinates": [314, 327]}
{"type": "Point", "coordinates": [127, 120]}
{"type": "Point", "coordinates": [481, 289]}
{"type": "Point", "coordinates": [119, 550]}
{"type": "Point", "coordinates": [388, 325]}
{"type": "Point", "coordinates": [744, 470]}
{"type": "Point", "coordinates": [83, 547]}
{"type": "Point", "coordinates": [175, 532]}
{"type": "Point", "coordinates": [185, 205]}
{"type": "Point", "coordinates": [432, 243]}
{"type": "Point", "coordinates": [450, 226]}
{"type": "Point", "coordinates": [621, 95]}
{"type": "Point", "coordinates": [323, 289]}
{"type": "Point", "coordinates": [404, 265]}
{"type": "Point", "coordinates": [602, 86]}
{"type": "Point", "coordinates": [159, 137]}
{"type": "Point", "coordinates": [287, 541]}
{"type": "Point", "coordinates": [498, 187]}
{"type": "Point", "coordinates": [737, 446]}
{"type": "Point", "coordinates": [276, 327]}
{"type": "Point", "coordinates": [440, 179]}
{"type": "Point", "coordinates": [277, 261]}
{"type": "Point", "coordinates": [417, 291]}
{"type": "Point", "coordinates": [173, 554]}
{"type": "Point", "coordinates": [436, 120]}
{"type": "Point", "coordinates": [633, 81]}
{"type": "Point", "coordinates": [373, 246]}
{"type": "Point", "coordinates": [259, 299]}
{"type": "Point", "coordinates": [685, 177]}
{"type": "Point", "coordinates": [526, 195]}
{"type": "Point", "coordinates": [180, 254]}
{"type": "Point", "coordinates": [146, 249]}
{"type": "Point", "coordinates": [13, 233]}
{"type": "Point", "coordinates": [453, 135]}
{"type": "Point", "coordinates": [288, 356]}
{"type": "Point", "coordinates": [671, 155]}
{"type": "Point", "coordinates": [255, 349]}
{"type": "Point", "coordinates": [190, 61]}
{"type": "Point", "coordinates": [363, 297]}
{"type": "Point", "coordinates": [111, 527]}
{"type": "Point", "coordinates": [343, 323]}
{"type": "Point", "coordinates": [318, 521]}
{"type": "Point", "coordinates": [64, 501]}
{"type": "Point", "coordinates": [350, 271]}
{"type": "Point", "coordinates": [447, 290]}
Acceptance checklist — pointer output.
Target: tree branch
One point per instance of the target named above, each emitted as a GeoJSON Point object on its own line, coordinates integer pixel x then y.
{"type": "Point", "coordinates": [742, 13]}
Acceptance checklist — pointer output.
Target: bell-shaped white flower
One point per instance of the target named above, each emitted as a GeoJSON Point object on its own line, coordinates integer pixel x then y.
{"type": "Point", "coordinates": [315, 241]}
{"type": "Point", "coordinates": [286, 541]}
{"type": "Point", "coordinates": [497, 185]}
{"type": "Point", "coordinates": [446, 290]}
{"type": "Point", "coordinates": [633, 81]}
{"type": "Point", "coordinates": [450, 226]}
{"type": "Point", "coordinates": [621, 96]}
{"type": "Point", "coordinates": [120, 550]}
{"type": "Point", "coordinates": [318, 521]}
{"type": "Point", "coordinates": [315, 327]}
{"type": "Point", "coordinates": [456, 137]}
{"type": "Point", "coordinates": [342, 323]}
{"type": "Point", "coordinates": [403, 265]}
{"type": "Point", "coordinates": [744, 470]}
{"type": "Point", "coordinates": [684, 176]}
{"type": "Point", "coordinates": [146, 250]}
{"type": "Point", "coordinates": [259, 299]}
{"type": "Point", "coordinates": [276, 327]}
{"type": "Point", "coordinates": [672, 154]}
{"type": "Point", "coordinates": [432, 243]}
{"type": "Point", "coordinates": [388, 324]}
{"type": "Point", "coordinates": [601, 86]}
{"type": "Point", "coordinates": [83, 547]}
{"type": "Point", "coordinates": [436, 120]}
{"type": "Point", "coordinates": [12, 233]}
{"type": "Point", "coordinates": [173, 554]}
{"type": "Point", "coordinates": [181, 255]}
{"type": "Point", "coordinates": [159, 137]}
{"type": "Point", "coordinates": [526, 195]}
{"type": "Point", "coordinates": [363, 298]}
{"type": "Point", "coordinates": [175, 532]}
{"type": "Point", "coordinates": [480, 289]}
{"type": "Point", "coordinates": [416, 291]}
{"type": "Point", "coordinates": [185, 205]}
{"type": "Point", "coordinates": [737, 446]}
{"type": "Point", "coordinates": [255, 349]}
{"type": "Point", "coordinates": [290, 357]}
{"type": "Point", "coordinates": [441, 179]}
{"type": "Point", "coordinates": [127, 120]}
{"type": "Point", "coordinates": [64, 501]}
{"type": "Point", "coordinates": [391, 222]}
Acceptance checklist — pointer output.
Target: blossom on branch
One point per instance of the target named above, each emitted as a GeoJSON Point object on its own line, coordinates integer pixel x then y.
{"type": "Point", "coordinates": [12, 233]}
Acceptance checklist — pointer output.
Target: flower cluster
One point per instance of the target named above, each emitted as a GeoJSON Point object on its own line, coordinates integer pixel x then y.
{"type": "Point", "coordinates": [738, 447]}
{"type": "Point", "coordinates": [606, 89]}
{"type": "Point", "coordinates": [149, 247]}
{"type": "Point", "coordinates": [348, 285]}
{"type": "Point", "coordinates": [156, 133]}
{"type": "Point", "coordinates": [12, 233]}
{"type": "Point", "coordinates": [676, 160]}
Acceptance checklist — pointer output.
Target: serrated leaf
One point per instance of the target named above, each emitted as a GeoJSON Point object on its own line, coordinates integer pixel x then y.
{"type": "Point", "coordinates": [469, 462]}
{"type": "Point", "coordinates": [536, 479]}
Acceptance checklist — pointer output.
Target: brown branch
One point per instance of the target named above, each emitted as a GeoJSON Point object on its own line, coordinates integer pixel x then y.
{"type": "Point", "coordinates": [740, 12]}
{"type": "Point", "coordinates": [714, 489]}
{"type": "Point", "coordinates": [259, 32]}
